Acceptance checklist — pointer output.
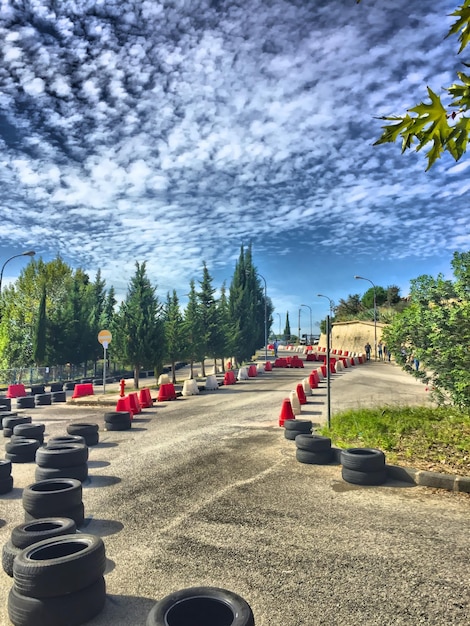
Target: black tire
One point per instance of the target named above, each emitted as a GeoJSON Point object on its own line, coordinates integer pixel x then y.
{"type": "Point", "coordinates": [27, 457]}
{"type": "Point", "coordinates": [55, 387]}
{"type": "Point", "coordinates": [363, 478]}
{"type": "Point", "coordinates": [76, 513]}
{"type": "Point", "coordinates": [112, 426]}
{"type": "Point", "coordinates": [314, 458]}
{"type": "Point", "coordinates": [11, 422]}
{"type": "Point", "coordinates": [118, 417]}
{"type": "Point", "coordinates": [6, 484]}
{"type": "Point", "coordinates": [303, 426]}
{"type": "Point", "coordinates": [7, 432]}
{"type": "Point", "coordinates": [5, 468]}
{"type": "Point", "coordinates": [66, 439]}
{"type": "Point", "coordinates": [62, 455]}
{"type": "Point", "coordinates": [47, 498]}
{"type": "Point", "coordinates": [9, 553]}
{"type": "Point", "coordinates": [72, 609]}
{"type": "Point", "coordinates": [32, 431]}
{"type": "Point", "coordinates": [89, 431]}
{"type": "Point", "coordinates": [201, 605]}
{"type": "Point", "coordinates": [23, 446]}
{"type": "Point", "coordinates": [43, 399]}
{"type": "Point", "coordinates": [37, 389]}
{"type": "Point", "coordinates": [363, 459]}
{"type": "Point", "coordinates": [58, 396]}
{"type": "Point", "coordinates": [24, 535]}
{"type": "Point", "coordinates": [313, 443]}
{"type": "Point", "coordinates": [79, 472]}
{"type": "Point", "coordinates": [26, 402]}
{"type": "Point", "coordinates": [5, 404]}
{"type": "Point", "coordinates": [293, 434]}
{"type": "Point", "coordinates": [69, 386]}
{"type": "Point", "coordinates": [59, 565]}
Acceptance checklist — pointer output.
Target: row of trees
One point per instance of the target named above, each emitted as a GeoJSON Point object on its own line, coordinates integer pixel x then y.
{"type": "Point", "coordinates": [53, 314]}
{"type": "Point", "coordinates": [435, 328]}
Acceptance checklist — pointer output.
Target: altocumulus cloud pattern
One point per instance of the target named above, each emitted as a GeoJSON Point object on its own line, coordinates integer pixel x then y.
{"type": "Point", "coordinates": [172, 131]}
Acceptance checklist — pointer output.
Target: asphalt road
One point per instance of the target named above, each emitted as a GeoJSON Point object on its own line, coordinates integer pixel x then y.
{"type": "Point", "coordinates": [206, 490]}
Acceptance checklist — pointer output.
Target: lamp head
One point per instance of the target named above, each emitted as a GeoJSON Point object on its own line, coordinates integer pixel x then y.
{"type": "Point", "coordinates": [28, 253]}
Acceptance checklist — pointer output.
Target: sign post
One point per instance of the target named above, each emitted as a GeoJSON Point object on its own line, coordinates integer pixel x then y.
{"type": "Point", "coordinates": [104, 337]}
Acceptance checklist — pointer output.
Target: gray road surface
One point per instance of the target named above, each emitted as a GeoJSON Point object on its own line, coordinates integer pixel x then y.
{"type": "Point", "coordinates": [206, 490]}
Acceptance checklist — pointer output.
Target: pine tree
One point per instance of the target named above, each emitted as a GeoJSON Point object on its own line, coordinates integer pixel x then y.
{"type": "Point", "coordinates": [287, 334]}
{"type": "Point", "coordinates": [140, 336]}
{"type": "Point", "coordinates": [209, 317]}
{"type": "Point", "coordinates": [175, 332]}
{"type": "Point", "coordinates": [194, 329]}
{"type": "Point", "coordinates": [39, 339]}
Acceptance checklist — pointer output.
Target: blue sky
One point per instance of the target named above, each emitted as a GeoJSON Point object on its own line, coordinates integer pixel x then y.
{"type": "Point", "coordinates": [175, 131]}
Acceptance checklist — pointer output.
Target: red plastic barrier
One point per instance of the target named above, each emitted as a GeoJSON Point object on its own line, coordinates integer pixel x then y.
{"type": "Point", "coordinates": [145, 398]}
{"type": "Point", "coordinates": [311, 357]}
{"type": "Point", "coordinates": [252, 371]}
{"type": "Point", "coordinates": [166, 392]}
{"type": "Point", "coordinates": [313, 380]}
{"type": "Point", "coordinates": [286, 412]}
{"type": "Point", "coordinates": [323, 370]}
{"type": "Point", "coordinates": [83, 389]}
{"type": "Point", "coordinates": [332, 368]}
{"type": "Point", "coordinates": [268, 367]}
{"type": "Point", "coordinates": [301, 394]}
{"type": "Point", "coordinates": [16, 391]}
{"type": "Point", "coordinates": [296, 362]}
{"type": "Point", "coordinates": [123, 404]}
{"type": "Point", "coordinates": [229, 378]}
{"type": "Point", "coordinates": [134, 402]}
{"type": "Point", "coordinates": [281, 362]}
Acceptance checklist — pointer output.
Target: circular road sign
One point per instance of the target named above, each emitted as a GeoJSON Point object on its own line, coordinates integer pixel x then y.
{"type": "Point", "coordinates": [104, 337]}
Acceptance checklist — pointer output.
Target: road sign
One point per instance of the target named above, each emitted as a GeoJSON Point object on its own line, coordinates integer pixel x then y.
{"type": "Point", "coordinates": [104, 337]}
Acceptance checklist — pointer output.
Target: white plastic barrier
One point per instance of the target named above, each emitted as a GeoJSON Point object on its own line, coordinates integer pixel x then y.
{"type": "Point", "coordinates": [295, 402]}
{"type": "Point", "coordinates": [260, 368]}
{"type": "Point", "coordinates": [211, 383]}
{"type": "Point", "coordinates": [163, 379]}
{"type": "Point", "coordinates": [243, 373]}
{"type": "Point", "coordinates": [306, 387]}
{"type": "Point", "coordinates": [190, 387]}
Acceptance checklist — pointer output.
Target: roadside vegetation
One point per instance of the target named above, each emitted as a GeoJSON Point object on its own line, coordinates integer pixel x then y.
{"type": "Point", "coordinates": [430, 438]}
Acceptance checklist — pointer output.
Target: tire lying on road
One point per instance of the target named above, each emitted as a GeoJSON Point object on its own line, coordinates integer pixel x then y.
{"type": "Point", "coordinates": [21, 450]}
{"type": "Point", "coordinates": [65, 439]}
{"type": "Point", "coordinates": [43, 399]}
{"type": "Point", "coordinates": [210, 606]}
{"type": "Point", "coordinates": [5, 468]}
{"type": "Point", "coordinates": [31, 431]}
{"type": "Point", "coordinates": [88, 431]}
{"type": "Point", "coordinates": [314, 458]}
{"type": "Point", "coordinates": [363, 466]}
{"type": "Point", "coordinates": [118, 420]}
{"type": "Point", "coordinates": [72, 609]}
{"type": "Point", "coordinates": [62, 455]}
{"type": "Point", "coordinates": [9, 423]}
{"type": "Point", "coordinates": [79, 472]}
{"type": "Point", "coordinates": [51, 495]}
{"type": "Point", "coordinates": [26, 402]}
{"type": "Point", "coordinates": [295, 427]}
{"type": "Point", "coordinates": [58, 396]}
{"type": "Point", "coordinates": [59, 565]}
{"type": "Point", "coordinates": [313, 443]}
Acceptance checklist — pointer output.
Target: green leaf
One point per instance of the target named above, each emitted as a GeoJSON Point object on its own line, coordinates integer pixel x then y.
{"type": "Point", "coordinates": [462, 25]}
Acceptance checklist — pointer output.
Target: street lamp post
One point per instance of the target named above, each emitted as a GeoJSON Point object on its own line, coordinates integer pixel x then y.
{"type": "Point", "coordinates": [311, 328]}
{"type": "Point", "coordinates": [298, 337]}
{"type": "Point", "coordinates": [375, 312]}
{"type": "Point", "coordinates": [320, 295]}
{"type": "Point", "coordinates": [15, 256]}
{"type": "Point", "coordinates": [265, 317]}
{"type": "Point", "coordinates": [280, 331]}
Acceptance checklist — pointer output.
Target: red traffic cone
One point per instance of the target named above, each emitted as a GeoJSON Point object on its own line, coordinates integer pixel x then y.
{"type": "Point", "coordinates": [286, 412]}
{"type": "Point", "coordinates": [124, 404]}
{"type": "Point", "coordinates": [268, 367]}
{"type": "Point", "coordinates": [301, 394]}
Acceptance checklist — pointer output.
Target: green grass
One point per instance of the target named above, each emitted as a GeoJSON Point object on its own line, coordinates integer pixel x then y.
{"type": "Point", "coordinates": [437, 439]}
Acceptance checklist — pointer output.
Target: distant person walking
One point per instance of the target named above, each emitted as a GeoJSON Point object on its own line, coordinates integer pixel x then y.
{"type": "Point", "coordinates": [276, 345]}
{"type": "Point", "coordinates": [380, 348]}
{"type": "Point", "coordinates": [367, 349]}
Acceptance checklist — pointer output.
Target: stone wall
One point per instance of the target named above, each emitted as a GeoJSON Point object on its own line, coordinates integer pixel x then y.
{"type": "Point", "coordinates": [353, 336]}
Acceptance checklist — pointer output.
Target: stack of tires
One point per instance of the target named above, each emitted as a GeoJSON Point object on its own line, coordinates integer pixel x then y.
{"type": "Point", "coordinates": [5, 404]}
{"type": "Point", "coordinates": [37, 390]}
{"type": "Point", "coordinates": [117, 420]}
{"type": "Point", "coordinates": [295, 427]}
{"type": "Point", "coordinates": [57, 387]}
{"type": "Point", "coordinates": [62, 459]}
{"type": "Point", "coordinates": [21, 449]}
{"type": "Point", "coordinates": [363, 466]}
{"type": "Point", "coordinates": [4, 414]}
{"type": "Point", "coordinates": [6, 479]}
{"type": "Point", "coordinates": [313, 449]}
{"type": "Point", "coordinates": [88, 431]}
{"type": "Point", "coordinates": [43, 399]}
{"type": "Point", "coordinates": [30, 431]}
{"type": "Point", "coordinates": [56, 497]}
{"type": "Point", "coordinates": [9, 423]}
{"type": "Point", "coordinates": [210, 606]}
{"type": "Point", "coordinates": [58, 396]}
{"type": "Point", "coordinates": [26, 402]}
{"type": "Point", "coordinates": [24, 535]}
{"type": "Point", "coordinates": [58, 582]}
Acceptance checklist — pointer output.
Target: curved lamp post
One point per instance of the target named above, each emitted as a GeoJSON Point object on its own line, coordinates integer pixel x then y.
{"type": "Point", "coordinates": [279, 316]}
{"type": "Point", "coordinates": [375, 313]}
{"type": "Point", "coordinates": [320, 295]}
{"type": "Point", "coordinates": [15, 256]}
{"type": "Point", "coordinates": [311, 329]}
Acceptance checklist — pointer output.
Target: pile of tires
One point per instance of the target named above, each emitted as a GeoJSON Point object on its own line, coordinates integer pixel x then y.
{"type": "Point", "coordinates": [58, 582]}
{"type": "Point", "coordinates": [210, 606]}
{"type": "Point", "coordinates": [58, 396]}
{"type": "Point", "coordinates": [26, 402]}
{"type": "Point", "coordinates": [6, 479]}
{"type": "Point", "coordinates": [363, 466]}
{"type": "Point", "coordinates": [88, 431]}
{"type": "Point", "coordinates": [69, 385]}
{"type": "Point", "coordinates": [43, 399]}
{"type": "Point", "coordinates": [37, 389]}
{"type": "Point", "coordinates": [25, 535]}
{"type": "Point", "coordinates": [9, 423]}
{"type": "Point", "coordinates": [30, 430]}
{"type": "Point", "coordinates": [56, 497]}
{"type": "Point", "coordinates": [4, 414]}
{"type": "Point", "coordinates": [21, 449]}
{"type": "Point", "coordinates": [57, 387]}
{"type": "Point", "coordinates": [5, 404]}
{"type": "Point", "coordinates": [313, 449]}
{"type": "Point", "coordinates": [117, 420]}
{"type": "Point", "coordinates": [62, 459]}
{"type": "Point", "coordinates": [295, 427]}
